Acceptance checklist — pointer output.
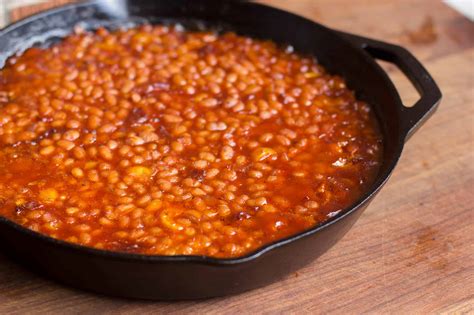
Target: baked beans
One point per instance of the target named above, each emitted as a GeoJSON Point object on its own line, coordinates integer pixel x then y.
{"type": "Point", "coordinates": [161, 141]}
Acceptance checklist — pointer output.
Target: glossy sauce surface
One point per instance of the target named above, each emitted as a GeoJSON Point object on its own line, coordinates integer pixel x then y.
{"type": "Point", "coordinates": [160, 141]}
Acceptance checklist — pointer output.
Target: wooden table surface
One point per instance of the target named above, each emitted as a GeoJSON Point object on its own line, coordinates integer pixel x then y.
{"type": "Point", "coordinates": [412, 251]}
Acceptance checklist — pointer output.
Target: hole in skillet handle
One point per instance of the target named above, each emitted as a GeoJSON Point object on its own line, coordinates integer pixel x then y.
{"type": "Point", "coordinates": [430, 95]}
{"type": "Point", "coordinates": [409, 95]}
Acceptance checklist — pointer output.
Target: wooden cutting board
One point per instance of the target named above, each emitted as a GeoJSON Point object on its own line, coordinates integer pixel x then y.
{"type": "Point", "coordinates": [412, 251]}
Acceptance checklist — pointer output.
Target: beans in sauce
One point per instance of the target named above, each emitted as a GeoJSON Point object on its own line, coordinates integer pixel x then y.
{"type": "Point", "coordinates": [160, 141]}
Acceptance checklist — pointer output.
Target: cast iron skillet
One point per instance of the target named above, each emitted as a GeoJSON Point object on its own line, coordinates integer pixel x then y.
{"type": "Point", "coordinates": [189, 277]}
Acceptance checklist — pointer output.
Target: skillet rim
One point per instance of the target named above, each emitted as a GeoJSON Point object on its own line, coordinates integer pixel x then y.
{"type": "Point", "coordinates": [378, 183]}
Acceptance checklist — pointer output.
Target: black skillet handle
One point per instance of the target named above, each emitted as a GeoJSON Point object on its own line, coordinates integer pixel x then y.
{"type": "Point", "coordinates": [430, 95]}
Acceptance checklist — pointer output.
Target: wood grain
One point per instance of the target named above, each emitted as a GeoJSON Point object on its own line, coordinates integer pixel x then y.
{"type": "Point", "coordinates": [412, 251]}
{"type": "Point", "coordinates": [24, 11]}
